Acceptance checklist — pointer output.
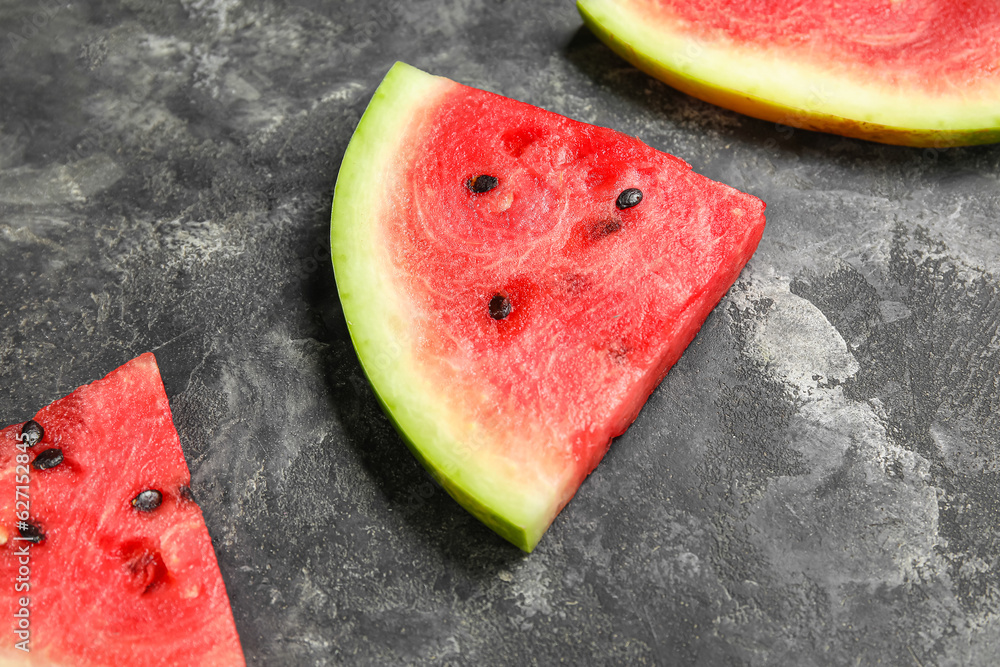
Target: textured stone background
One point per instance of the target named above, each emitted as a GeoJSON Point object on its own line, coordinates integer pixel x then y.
{"type": "Point", "coordinates": [816, 482]}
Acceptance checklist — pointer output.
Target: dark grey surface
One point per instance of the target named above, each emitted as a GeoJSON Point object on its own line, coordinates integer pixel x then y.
{"type": "Point", "coordinates": [816, 482]}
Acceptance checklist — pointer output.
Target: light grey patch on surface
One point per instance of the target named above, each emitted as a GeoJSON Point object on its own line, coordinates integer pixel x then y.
{"type": "Point", "coordinates": [865, 513]}
{"type": "Point", "coordinates": [963, 447]}
{"type": "Point", "coordinates": [70, 183]}
{"type": "Point", "coordinates": [893, 311]}
{"type": "Point", "coordinates": [796, 342]}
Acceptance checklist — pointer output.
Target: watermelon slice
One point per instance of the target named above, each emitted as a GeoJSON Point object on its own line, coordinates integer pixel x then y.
{"type": "Point", "coordinates": [911, 72]}
{"type": "Point", "coordinates": [517, 283]}
{"type": "Point", "coordinates": [104, 555]}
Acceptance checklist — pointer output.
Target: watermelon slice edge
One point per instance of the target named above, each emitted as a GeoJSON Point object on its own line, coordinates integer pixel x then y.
{"type": "Point", "coordinates": [124, 571]}
{"type": "Point", "coordinates": [511, 414]}
{"type": "Point", "coordinates": [819, 80]}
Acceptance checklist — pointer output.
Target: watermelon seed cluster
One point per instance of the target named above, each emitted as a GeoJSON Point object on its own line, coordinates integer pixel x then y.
{"type": "Point", "coordinates": [482, 183]}
{"type": "Point", "coordinates": [628, 198]}
{"type": "Point", "coordinates": [31, 434]}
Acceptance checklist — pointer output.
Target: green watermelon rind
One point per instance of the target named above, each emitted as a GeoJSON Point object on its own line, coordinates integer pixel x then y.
{"type": "Point", "coordinates": [377, 320]}
{"type": "Point", "coordinates": [753, 81]}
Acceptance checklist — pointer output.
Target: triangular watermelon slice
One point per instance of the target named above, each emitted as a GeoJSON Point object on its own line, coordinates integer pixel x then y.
{"type": "Point", "coordinates": [911, 72]}
{"type": "Point", "coordinates": [516, 284]}
{"type": "Point", "coordinates": [104, 555]}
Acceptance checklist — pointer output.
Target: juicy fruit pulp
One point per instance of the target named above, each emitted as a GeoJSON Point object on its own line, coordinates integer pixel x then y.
{"type": "Point", "coordinates": [109, 583]}
{"type": "Point", "coordinates": [511, 333]}
{"type": "Point", "coordinates": [911, 72]}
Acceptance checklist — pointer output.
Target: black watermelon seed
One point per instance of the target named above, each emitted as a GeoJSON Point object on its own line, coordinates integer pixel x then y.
{"type": "Point", "coordinates": [48, 458]}
{"type": "Point", "coordinates": [499, 307]}
{"type": "Point", "coordinates": [148, 500]}
{"type": "Point", "coordinates": [30, 531]}
{"type": "Point", "coordinates": [186, 493]}
{"type": "Point", "coordinates": [481, 184]}
{"type": "Point", "coordinates": [629, 198]}
{"type": "Point", "coordinates": [31, 433]}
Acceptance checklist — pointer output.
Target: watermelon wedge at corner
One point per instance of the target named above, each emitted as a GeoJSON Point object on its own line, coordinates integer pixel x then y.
{"type": "Point", "coordinates": [111, 558]}
{"type": "Point", "coordinates": [516, 283]}
{"type": "Point", "coordinates": [910, 72]}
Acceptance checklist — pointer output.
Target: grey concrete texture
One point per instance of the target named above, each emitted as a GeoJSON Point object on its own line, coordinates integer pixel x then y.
{"type": "Point", "coordinates": [816, 482]}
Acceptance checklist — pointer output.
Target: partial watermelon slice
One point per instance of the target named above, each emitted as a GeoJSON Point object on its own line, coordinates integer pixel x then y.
{"type": "Point", "coordinates": [911, 72]}
{"type": "Point", "coordinates": [104, 555]}
{"type": "Point", "coordinates": [516, 284]}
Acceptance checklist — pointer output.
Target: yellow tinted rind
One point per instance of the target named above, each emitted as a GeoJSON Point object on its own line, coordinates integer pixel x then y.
{"type": "Point", "coordinates": [759, 82]}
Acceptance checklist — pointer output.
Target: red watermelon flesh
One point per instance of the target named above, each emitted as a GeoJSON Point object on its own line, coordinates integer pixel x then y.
{"type": "Point", "coordinates": [511, 413]}
{"type": "Point", "coordinates": [881, 41]}
{"type": "Point", "coordinates": [112, 579]}
{"type": "Point", "coordinates": [914, 72]}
